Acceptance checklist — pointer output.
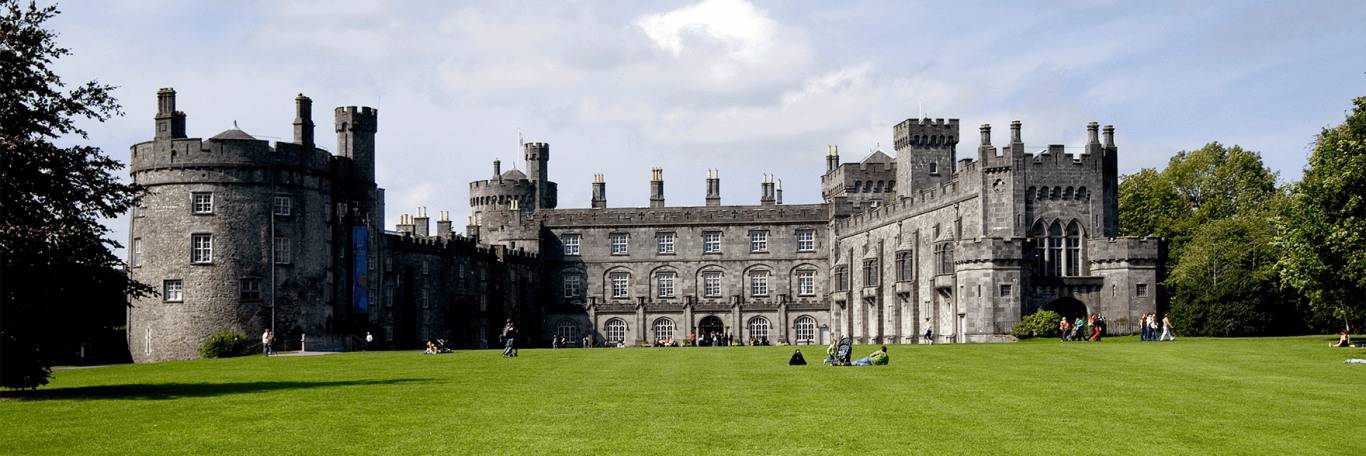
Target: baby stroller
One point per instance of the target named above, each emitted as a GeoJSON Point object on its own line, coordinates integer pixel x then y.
{"type": "Point", "coordinates": [842, 354]}
{"type": "Point", "coordinates": [441, 346]}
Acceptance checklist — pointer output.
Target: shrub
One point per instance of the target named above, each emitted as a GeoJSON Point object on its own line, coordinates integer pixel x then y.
{"type": "Point", "coordinates": [1043, 323]}
{"type": "Point", "coordinates": [226, 343]}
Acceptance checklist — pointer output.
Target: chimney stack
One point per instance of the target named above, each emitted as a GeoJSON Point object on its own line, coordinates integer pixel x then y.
{"type": "Point", "coordinates": [1109, 136]}
{"type": "Point", "coordinates": [170, 123]}
{"type": "Point", "coordinates": [497, 170]}
{"type": "Point", "coordinates": [599, 192]}
{"type": "Point", "coordinates": [472, 230]}
{"type": "Point", "coordinates": [443, 226]}
{"type": "Point", "coordinates": [778, 193]}
{"type": "Point", "coordinates": [713, 187]}
{"type": "Point", "coordinates": [420, 224]}
{"type": "Point", "coordinates": [832, 158]}
{"type": "Point", "coordinates": [1015, 133]}
{"type": "Point", "coordinates": [303, 122]}
{"type": "Point", "coordinates": [766, 189]}
{"type": "Point", "coordinates": [405, 224]}
{"type": "Point", "coordinates": [657, 187]}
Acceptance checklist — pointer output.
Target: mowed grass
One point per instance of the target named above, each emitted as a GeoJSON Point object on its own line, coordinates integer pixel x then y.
{"type": "Point", "coordinates": [1121, 396]}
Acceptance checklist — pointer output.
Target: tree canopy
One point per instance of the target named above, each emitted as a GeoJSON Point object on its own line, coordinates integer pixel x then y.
{"type": "Point", "coordinates": [58, 266]}
{"type": "Point", "coordinates": [1323, 227]}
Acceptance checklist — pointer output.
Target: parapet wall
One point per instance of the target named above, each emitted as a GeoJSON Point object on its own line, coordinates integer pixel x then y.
{"type": "Point", "coordinates": [194, 152]}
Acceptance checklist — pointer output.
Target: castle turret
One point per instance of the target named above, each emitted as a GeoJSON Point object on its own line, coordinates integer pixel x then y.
{"type": "Point", "coordinates": [599, 192]}
{"type": "Point", "coordinates": [657, 187]}
{"type": "Point", "coordinates": [356, 128]}
{"type": "Point", "coordinates": [303, 122]}
{"type": "Point", "coordinates": [537, 170]}
{"type": "Point", "coordinates": [925, 152]}
{"type": "Point", "coordinates": [713, 187]}
{"type": "Point", "coordinates": [170, 123]}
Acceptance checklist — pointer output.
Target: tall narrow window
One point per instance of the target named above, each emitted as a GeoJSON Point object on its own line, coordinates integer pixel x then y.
{"type": "Point", "coordinates": [171, 290]}
{"type": "Point", "coordinates": [905, 267]}
{"type": "Point", "coordinates": [666, 243]}
{"type": "Point", "coordinates": [282, 250]}
{"type": "Point", "coordinates": [711, 284]}
{"type": "Point", "coordinates": [666, 284]}
{"type": "Point", "coordinates": [758, 241]}
{"type": "Point", "coordinates": [870, 273]}
{"type": "Point", "coordinates": [571, 244]}
{"type": "Point", "coordinates": [201, 248]}
{"type": "Point", "coordinates": [944, 254]}
{"type": "Point", "coordinates": [1073, 250]}
{"type": "Point", "coordinates": [621, 285]}
{"type": "Point", "coordinates": [201, 202]}
{"type": "Point", "coordinates": [619, 244]}
{"type": "Point", "coordinates": [1054, 250]}
{"type": "Point", "coordinates": [136, 259]}
{"type": "Point", "coordinates": [806, 240]}
{"type": "Point", "coordinates": [573, 285]}
{"type": "Point", "coordinates": [806, 283]}
{"type": "Point", "coordinates": [711, 242]}
{"type": "Point", "coordinates": [842, 279]}
{"type": "Point", "coordinates": [251, 290]}
{"type": "Point", "coordinates": [282, 205]}
{"type": "Point", "coordinates": [758, 283]}
{"type": "Point", "coordinates": [425, 303]}
{"type": "Point", "coordinates": [389, 296]}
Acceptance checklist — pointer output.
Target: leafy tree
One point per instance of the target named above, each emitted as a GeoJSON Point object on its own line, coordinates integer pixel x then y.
{"type": "Point", "coordinates": [56, 256]}
{"type": "Point", "coordinates": [1214, 204]}
{"type": "Point", "coordinates": [1323, 228]}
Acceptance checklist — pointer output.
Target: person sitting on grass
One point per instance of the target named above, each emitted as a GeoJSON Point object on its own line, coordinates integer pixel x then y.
{"type": "Point", "coordinates": [878, 358]}
{"type": "Point", "coordinates": [797, 359]}
{"type": "Point", "coordinates": [431, 349]}
{"type": "Point", "coordinates": [1345, 340]}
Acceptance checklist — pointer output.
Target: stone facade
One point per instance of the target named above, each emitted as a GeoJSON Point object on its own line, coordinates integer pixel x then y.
{"type": "Point", "coordinates": [966, 246]}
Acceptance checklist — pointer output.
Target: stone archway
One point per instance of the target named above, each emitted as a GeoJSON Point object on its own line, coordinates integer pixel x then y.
{"type": "Point", "coordinates": [710, 327]}
{"type": "Point", "coordinates": [1067, 307]}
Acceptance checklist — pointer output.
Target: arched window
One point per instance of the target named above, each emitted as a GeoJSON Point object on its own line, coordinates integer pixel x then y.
{"type": "Point", "coordinates": [1067, 193]}
{"type": "Point", "coordinates": [567, 329]}
{"type": "Point", "coordinates": [1029, 194]}
{"type": "Point", "coordinates": [664, 328]}
{"type": "Point", "coordinates": [758, 328]}
{"type": "Point", "coordinates": [878, 188]}
{"type": "Point", "coordinates": [1081, 193]}
{"type": "Point", "coordinates": [1040, 237]}
{"type": "Point", "coordinates": [806, 329]}
{"type": "Point", "coordinates": [1054, 264]}
{"type": "Point", "coordinates": [891, 185]}
{"type": "Point", "coordinates": [1073, 249]}
{"type": "Point", "coordinates": [857, 184]}
{"type": "Point", "coordinates": [615, 330]}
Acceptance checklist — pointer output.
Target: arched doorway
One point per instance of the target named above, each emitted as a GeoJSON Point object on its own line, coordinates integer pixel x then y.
{"type": "Point", "coordinates": [710, 327]}
{"type": "Point", "coordinates": [1068, 307]}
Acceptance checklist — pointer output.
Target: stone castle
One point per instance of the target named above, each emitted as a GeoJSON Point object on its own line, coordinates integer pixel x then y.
{"type": "Point", "coordinates": [239, 233]}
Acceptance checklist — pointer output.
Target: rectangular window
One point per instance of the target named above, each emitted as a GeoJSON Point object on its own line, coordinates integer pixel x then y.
{"type": "Point", "coordinates": [571, 244]}
{"type": "Point", "coordinates": [1141, 290]}
{"type": "Point", "coordinates": [621, 285]}
{"type": "Point", "coordinates": [424, 267]}
{"type": "Point", "coordinates": [619, 244]}
{"type": "Point", "coordinates": [483, 302]}
{"type": "Point", "coordinates": [842, 279]}
{"type": "Point", "coordinates": [281, 250]}
{"type": "Point", "coordinates": [251, 290]}
{"type": "Point", "coordinates": [1005, 291]}
{"type": "Point", "coordinates": [201, 248]}
{"type": "Point", "coordinates": [758, 241]}
{"type": "Point", "coordinates": [388, 263]}
{"type": "Point", "coordinates": [370, 294]}
{"type": "Point", "coordinates": [201, 202]}
{"type": "Point", "coordinates": [136, 259]}
{"type": "Point", "coordinates": [711, 283]}
{"type": "Point", "coordinates": [666, 243]}
{"type": "Point", "coordinates": [666, 285]}
{"type": "Point", "coordinates": [370, 262]}
{"type": "Point", "coordinates": [806, 283]}
{"type": "Point", "coordinates": [758, 283]}
{"type": "Point", "coordinates": [141, 209]}
{"type": "Point", "coordinates": [711, 242]}
{"type": "Point", "coordinates": [904, 272]}
{"type": "Point", "coordinates": [425, 304]}
{"type": "Point", "coordinates": [870, 273]}
{"type": "Point", "coordinates": [806, 241]}
{"type": "Point", "coordinates": [171, 289]}
{"type": "Point", "coordinates": [573, 285]}
{"type": "Point", "coordinates": [282, 204]}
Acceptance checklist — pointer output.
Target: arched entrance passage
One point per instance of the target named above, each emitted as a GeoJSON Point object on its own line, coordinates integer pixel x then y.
{"type": "Point", "coordinates": [1067, 307]}
{"type": "Point", "coordinates": [710, 326]}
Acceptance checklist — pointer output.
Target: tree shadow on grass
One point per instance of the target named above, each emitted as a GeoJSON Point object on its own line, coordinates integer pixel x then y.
{"type": "Point", "coordinates": [163, 391]}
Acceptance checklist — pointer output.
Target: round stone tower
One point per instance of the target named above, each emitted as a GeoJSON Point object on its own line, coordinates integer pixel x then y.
{"type": "Point", "coordinates": [233, 233]}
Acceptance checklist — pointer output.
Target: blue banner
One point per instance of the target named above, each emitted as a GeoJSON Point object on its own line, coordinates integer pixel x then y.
{"type": "Point", "coordinates": [360, 292]}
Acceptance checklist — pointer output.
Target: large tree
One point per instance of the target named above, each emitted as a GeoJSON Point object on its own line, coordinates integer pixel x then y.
{"type": "Point", "coordinates": [1214, 204]}
{"type": "Point", "coordinates": [1323, 228]}
{"type": "Point", "coordinates": [56, 256]}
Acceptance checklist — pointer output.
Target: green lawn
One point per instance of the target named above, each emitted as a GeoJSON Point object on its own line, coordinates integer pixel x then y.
{"type": "Point", "coordinates": [1121, 396]}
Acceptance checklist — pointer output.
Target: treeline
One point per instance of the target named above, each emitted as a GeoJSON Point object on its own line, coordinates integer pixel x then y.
{"type": "Point", "coordinates": [1251, 257]}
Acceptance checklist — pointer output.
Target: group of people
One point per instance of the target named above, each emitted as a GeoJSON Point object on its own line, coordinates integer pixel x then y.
{"type": "Point", "coordinates": [714, 339]}
{"type": "Point", "coordinates": [1149, 332]}
{"type": "Point", "coordinates": [267, 343]}
{"type": "Point", "coordinates": [878, 358]}
{"type": "Point", "coordinates": [1089, 328]}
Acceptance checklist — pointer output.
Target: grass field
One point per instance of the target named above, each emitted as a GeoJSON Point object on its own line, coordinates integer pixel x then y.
{"type": "Point", "coordinates": [1121, 396]}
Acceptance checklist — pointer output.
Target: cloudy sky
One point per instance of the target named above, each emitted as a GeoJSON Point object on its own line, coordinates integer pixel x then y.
{"type": "Point", "coordinates": [746, 87]}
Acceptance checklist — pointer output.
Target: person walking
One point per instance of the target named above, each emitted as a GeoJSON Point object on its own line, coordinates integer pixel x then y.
{"type": "Point", "coordinates": [1166, 329]}
{"type": "Point", "coordinates": [1062, 328]}
{"type": "Point", "coordinates": [266, 339]}
{"type": "Point", "coordinates": [368, 339]}
{"type": "Point", "coordinates": [510, 335]}
{"type": "Point", "coordinates": [929, 332]}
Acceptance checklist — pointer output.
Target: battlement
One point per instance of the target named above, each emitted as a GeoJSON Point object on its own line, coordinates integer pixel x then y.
{"type": "Point", "coordinates": [1125, 249]}
{"type": "Point", "coordinates": [238, 153]}
{"type": "Point", "coordinates": [536, 151]}
{"type": "Point", "coordinates": [351, 118]}
{"type": "Point", "coordinates": [687, 215]}
{"type": "Point", "coordinates": [922, 201]}
{"type": "Point", "coordinates": [925, 133]}
{"type": "Point", "coordinates": [989, 250]}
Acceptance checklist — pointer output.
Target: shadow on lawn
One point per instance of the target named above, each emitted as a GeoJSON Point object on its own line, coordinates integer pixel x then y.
{"type": "Point", "coordinates": [161, 391]}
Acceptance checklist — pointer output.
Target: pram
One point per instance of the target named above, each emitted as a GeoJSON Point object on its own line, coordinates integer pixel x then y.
{"type": "Point", "coordinates": [441, 346]}
{"type": "Point", "coordinates": [842, 354]}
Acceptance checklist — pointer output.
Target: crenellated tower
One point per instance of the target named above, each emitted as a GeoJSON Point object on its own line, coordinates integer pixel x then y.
{"type": "Point", "coordinates": [356, 128]}
{"type": "Point", "coordinates": [925, 152]}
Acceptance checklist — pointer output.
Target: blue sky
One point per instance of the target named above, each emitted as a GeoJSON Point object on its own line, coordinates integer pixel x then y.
{"type": "Point", "coordinates": [746, 87]}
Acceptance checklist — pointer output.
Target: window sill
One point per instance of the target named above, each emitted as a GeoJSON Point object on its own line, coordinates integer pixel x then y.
{"type": "Point", "coordinates": [201, 263]}
{"type": "Point", "coordinates": [665, 253]}
{"type": "Point", "coordinates": [759, 251]}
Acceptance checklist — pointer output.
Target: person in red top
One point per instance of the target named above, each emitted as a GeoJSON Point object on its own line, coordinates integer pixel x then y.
{"type": "Point", "coordinates": [1062, 327]}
